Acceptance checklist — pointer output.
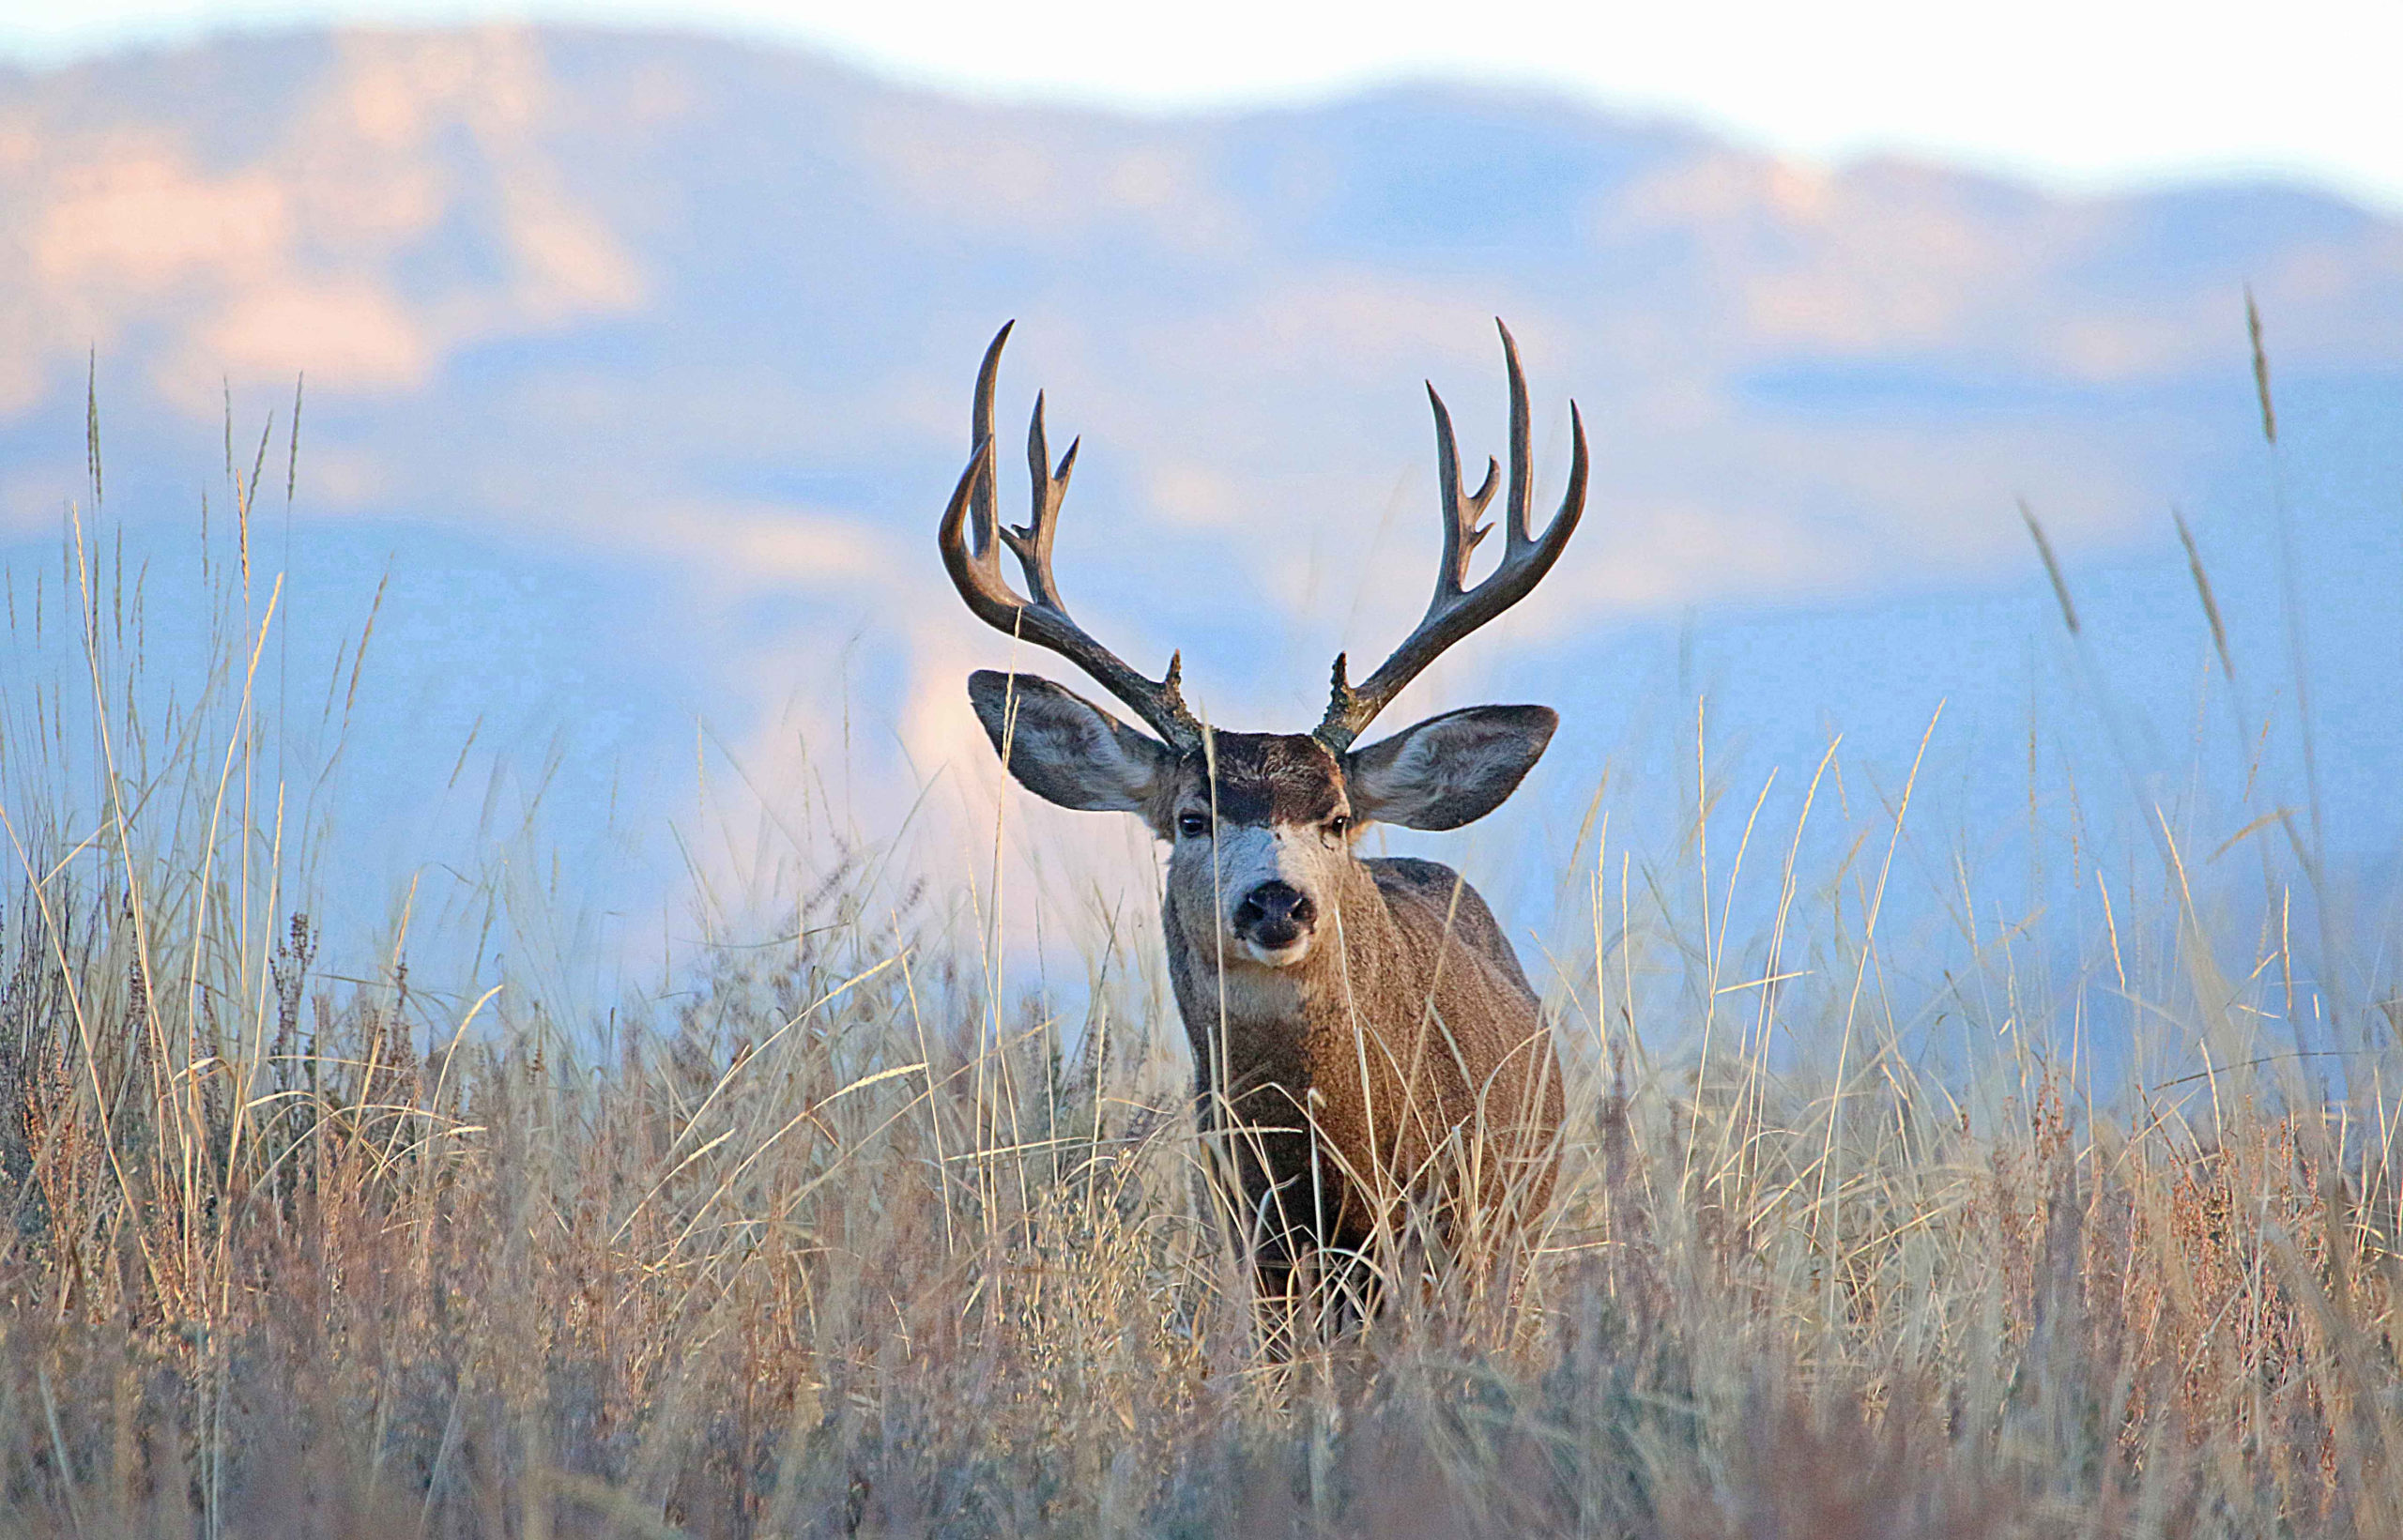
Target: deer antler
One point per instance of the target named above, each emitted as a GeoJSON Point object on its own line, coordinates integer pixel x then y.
{"type": "Point", "coordinates": [1456, 610]}
{"type": "Point", "coordinates": [971, 541]}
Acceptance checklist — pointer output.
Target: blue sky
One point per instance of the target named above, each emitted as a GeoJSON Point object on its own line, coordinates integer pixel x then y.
{"type": "Point", "coordinates": [2071, 93]}
{"type": "Point", "coordinates": [637, 480]}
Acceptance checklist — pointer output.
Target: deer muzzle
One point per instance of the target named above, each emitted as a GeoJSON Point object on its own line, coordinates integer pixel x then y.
{"type": "Point", "coordinates": [1276, 923]}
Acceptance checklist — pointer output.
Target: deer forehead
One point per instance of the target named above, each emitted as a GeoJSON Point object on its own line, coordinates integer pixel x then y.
{"type": "Point", "coordinates": [1266, 778]}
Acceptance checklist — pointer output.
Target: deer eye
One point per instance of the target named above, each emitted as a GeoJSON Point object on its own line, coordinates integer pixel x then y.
{"type": "Point", "coordinates": [1193, 825]}
{"type": "Point", "coordinates": [1339, 826]}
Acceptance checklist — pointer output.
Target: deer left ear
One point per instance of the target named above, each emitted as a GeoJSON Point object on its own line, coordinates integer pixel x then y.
{"type": "Point", "coordinates": [1063, 748]}
{"type": "Point", "coordinates": [1451, 770]}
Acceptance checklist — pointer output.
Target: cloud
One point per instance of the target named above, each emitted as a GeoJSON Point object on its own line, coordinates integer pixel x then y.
{"type": "Point", "coordinates": [313, 253]}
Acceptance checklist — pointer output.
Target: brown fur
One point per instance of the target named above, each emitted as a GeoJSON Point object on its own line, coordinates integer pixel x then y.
{"type": "Point", "coordinates": [1410, 1037]}
{"type": "Point", "coordinates": [1375, 1055]}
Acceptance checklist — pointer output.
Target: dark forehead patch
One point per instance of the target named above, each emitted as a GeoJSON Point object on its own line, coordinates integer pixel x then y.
{"type": "Point", "coordinates": [1271, 778]}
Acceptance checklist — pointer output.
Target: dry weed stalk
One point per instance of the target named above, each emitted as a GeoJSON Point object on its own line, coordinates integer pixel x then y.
{"type": "Point", "coordinates": [839, 1234]}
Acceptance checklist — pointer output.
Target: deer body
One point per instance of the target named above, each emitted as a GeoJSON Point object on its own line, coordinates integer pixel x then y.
{"type": "Point", "coordinates": [1367, 1048]}
{"type": "Point", "coordinates": [1360, 1076]}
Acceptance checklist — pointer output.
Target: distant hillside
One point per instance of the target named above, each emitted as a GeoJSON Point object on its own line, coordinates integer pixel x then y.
{"type": "Point", "coordinates": [650, 357]}
{"type": "Point", "coordinates": [761, 281]}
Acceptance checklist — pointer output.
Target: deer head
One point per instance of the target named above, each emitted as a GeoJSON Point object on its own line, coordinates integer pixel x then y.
{"type": "Point", "coordinates": [1261, 824]}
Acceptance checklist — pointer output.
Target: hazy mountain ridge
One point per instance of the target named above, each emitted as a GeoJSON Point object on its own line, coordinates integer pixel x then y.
{"type": "Point", "coordinates": [687, 327]}
{"type": "Point", "coordinates": [559, 232]}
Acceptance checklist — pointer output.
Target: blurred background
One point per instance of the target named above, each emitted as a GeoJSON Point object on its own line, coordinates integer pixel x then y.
{"type": "Point", "coordinates": [630, 347]}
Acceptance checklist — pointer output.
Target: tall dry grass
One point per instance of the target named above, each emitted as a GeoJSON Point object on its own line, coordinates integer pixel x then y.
{"type": "Point", "coordinates": [847, 1233]}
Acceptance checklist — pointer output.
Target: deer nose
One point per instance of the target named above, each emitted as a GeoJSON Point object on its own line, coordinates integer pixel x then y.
{"type": "Point", "coordinates": [1275, 914]}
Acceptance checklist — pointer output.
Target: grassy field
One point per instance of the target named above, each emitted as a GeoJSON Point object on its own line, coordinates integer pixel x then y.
{"type": "Point", "coordinates": [833, 1234]}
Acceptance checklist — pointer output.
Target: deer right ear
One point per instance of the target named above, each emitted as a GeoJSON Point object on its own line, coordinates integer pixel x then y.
{"type": "Point", "coordinates": [1066, 750]}
{"type": "Point", "coordinates": [1451, 770]}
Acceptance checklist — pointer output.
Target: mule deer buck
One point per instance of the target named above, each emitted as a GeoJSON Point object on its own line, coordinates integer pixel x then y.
{"type": "Point", "coordinates": [1367, 1052]}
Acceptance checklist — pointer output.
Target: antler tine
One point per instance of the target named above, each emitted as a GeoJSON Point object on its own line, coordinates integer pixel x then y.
{"type": "Point", "coordinates": [1521, 464]}
{"type": "Point", "coordinates": [1456, 608]}
{"type": "Point", "coordinates": [1462, 511]}
{"type": "Point", "coordinates": [1030, 542]}
{"type": "Point", "coordinates": [971, 538]}
{"type": "Point", "coordinates": [980, 432]}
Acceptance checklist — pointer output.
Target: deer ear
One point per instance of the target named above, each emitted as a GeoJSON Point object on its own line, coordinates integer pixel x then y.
{"type": "Point", "coordinates": [1063, 748]}
{"type": "Point", "coordinates": [1451, 770]}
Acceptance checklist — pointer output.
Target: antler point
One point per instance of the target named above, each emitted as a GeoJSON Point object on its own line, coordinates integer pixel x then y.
{"type": "Point", "coordinates": [968, 537]}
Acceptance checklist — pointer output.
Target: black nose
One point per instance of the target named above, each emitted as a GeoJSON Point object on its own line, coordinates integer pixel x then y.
{"type": "Point", "coordinates": [1275, 914]}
